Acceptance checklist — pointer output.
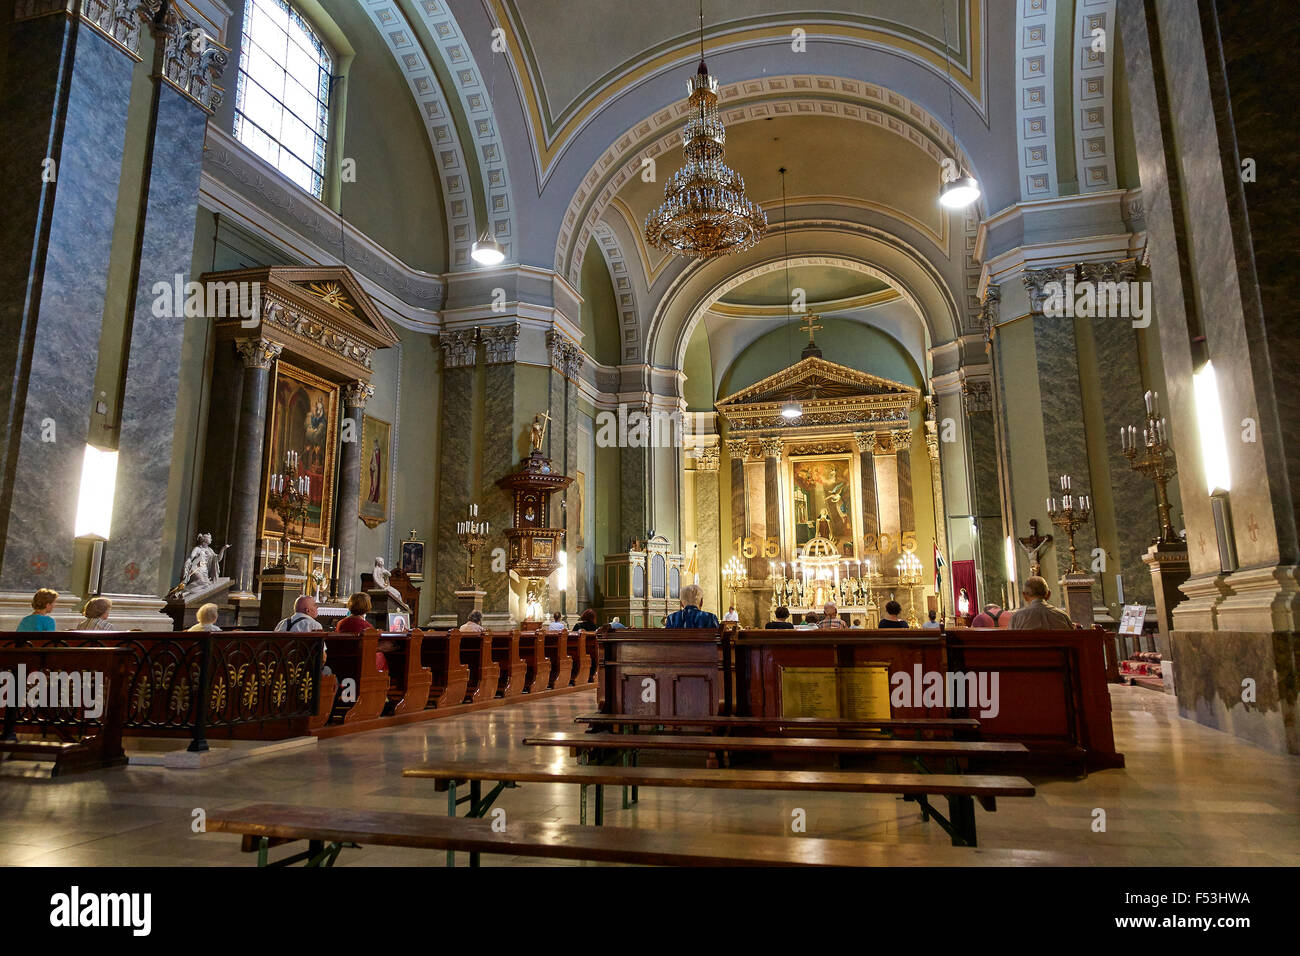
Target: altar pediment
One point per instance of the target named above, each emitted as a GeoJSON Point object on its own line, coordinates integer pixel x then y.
{"type": "Point", "coordinates": [831, 395]}
{"type": "Point", "coordinates": [320, 314]}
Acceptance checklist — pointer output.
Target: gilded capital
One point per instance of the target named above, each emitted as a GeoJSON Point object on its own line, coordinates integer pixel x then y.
{"type": "Point", "coordinates": [866, 441]}
{"type": "Point", "coordinates": [771, 447]}
{"type": "Point", "coordinates": [737, 448]}
{"type": "Point", "coordinates": [257, 353]}
{"type": "Point", "coordinates": [900, 438]}
{"type": "Point", "coordinates": [706, 459]}
{"type": "Point", "coordinates": [356, 394]}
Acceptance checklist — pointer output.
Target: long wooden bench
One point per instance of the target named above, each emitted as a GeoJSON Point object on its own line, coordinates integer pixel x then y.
{"type": "Point", "coordinates": [484, 672]}
{"type": "Point", "coordinates": [440, 652]}
{"type": "Point", "coordinates": [329, 830]}
{"type": "Point", "coordinates": [532, 648]}
{"type": "Point", "coordinates": [959, 727]}
{"type": "Point", "coordinates": [409, 683]}
{"type": "Point", "coordinates": [960, 790]}
{"type": "Point", "coordinates": [352, 658]}
{"type": "Point", "coordinates": [577, 646]}
{"type": "Point", "coordinates": [512, 667]}
{"type": "Point", "coordinates": [556, 644]}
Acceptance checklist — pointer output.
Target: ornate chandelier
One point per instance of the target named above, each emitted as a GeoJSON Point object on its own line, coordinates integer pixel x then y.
{"type": "Point", "coordinates": [705, 211]}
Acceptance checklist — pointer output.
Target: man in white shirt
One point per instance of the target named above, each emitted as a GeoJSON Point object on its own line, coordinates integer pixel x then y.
{"type": "Point", "coordinates": [557, 622]}
{"type": "Point", "coordinates": [732, 614]}
{"type": "Point", "coordinates": [303, 617]}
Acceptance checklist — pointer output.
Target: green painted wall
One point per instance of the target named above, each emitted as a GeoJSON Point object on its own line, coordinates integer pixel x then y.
{"type": "Point", "coordinates": [843, 341]}
{"type": "Point", "coordinates": [600, 323]}
{"type": "Point", "coordinates": [698, 367]}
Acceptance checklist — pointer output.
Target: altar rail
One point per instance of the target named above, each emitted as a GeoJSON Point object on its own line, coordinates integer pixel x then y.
{"type": "Point", "coordinates": [236, 684]}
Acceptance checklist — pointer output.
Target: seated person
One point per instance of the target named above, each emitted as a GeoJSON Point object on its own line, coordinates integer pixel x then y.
{"type": "Point", "coordinates": [303, 617]}
{"type": "Point", "coordinates": [355, 623]}
{"type": "Point", "coordinates": [782, 621]}
{"type": "Point", "coordinates": [557, 623]}
{"type": "Point", "coordinates": [832, 617]}
{"type": "Point", "coordinates": [690, 615]}
{"type": "Point", "coordinates": [95, 615]}
{"type": "Point", "coordinates": [207, 618]}
{"type": "Point", "coordinates": [42, 610]}
{"type": "Point", "coordinates": [891, 618]}
{"type": "Point", "coordinates": [932, 624]}
{"type": "Point", "coordinates": [732, 614]}
{"type": "Point", "coordinates": [587, 622]}
{"type": "Point", "coordinates": [616, 625]}
{"type": "Point", "coordinates": [1037, 614]}
{"type": "Point", "coordinates": [809, 622]}
{"type": "Point", "coordinates": [474, 625]}
{"type": "Point", "coordinates": [991, 616]}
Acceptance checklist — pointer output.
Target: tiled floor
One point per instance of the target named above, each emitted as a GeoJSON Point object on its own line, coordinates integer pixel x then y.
{"type": "Point", "coordinates": [1188, 796]}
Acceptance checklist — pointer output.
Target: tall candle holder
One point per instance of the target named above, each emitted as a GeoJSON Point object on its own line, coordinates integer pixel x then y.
{"type": "Point", "coordinates": [473, 534]}
{"type": "Point", "coordinates": [1070, 514]}
{"type": "Point", "coordinates": [909, 576]}
{"type": "Point", "coordinates": [734, 576]}
{"type": "Point", "coordinates": [290, 494]}
{"type": "Point", "coordinates": [1153, 458]}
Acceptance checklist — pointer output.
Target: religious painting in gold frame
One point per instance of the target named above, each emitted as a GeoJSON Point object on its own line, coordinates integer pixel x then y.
{"type": "Point", "coordinates": [376, 470]}
{"type": "Point", "coordinates": [822, 501]}
{"type": "Point", "coordinates": [304, 418]}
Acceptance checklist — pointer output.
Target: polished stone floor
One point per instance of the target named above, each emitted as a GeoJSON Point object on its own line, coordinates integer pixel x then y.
{"type": "Point", "coordinates": [1188, 796]}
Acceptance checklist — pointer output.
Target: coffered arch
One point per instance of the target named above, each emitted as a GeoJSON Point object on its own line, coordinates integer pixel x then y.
{"type": "Point", "coordinates": [763, 98]}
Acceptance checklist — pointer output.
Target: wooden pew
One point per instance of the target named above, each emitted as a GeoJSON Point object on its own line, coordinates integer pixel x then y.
{"type": "Point", "coordinates": [577, 649]}
{"type": "Point", "coordinates": [532, 648]}
{"type": "Point", "coordinates": [79, 743]}
{"type": "Point", "coordinates": [484, 672]}
{"type": "Point", "coordinates": [593, 646]}
{"type": "Point", "coordinates": [329, 689]}
{"type": "Point", "coordinates": [556, 644]}
{"type": "Point", "coordinates": [352, 657]}
{"type": "Point", "coordinates": [961, 790]}
{"type": "Point", "coordinates": [410, 682]}
{"type": "Point", "coordinates": [513, 668]}
{"type": "Point", "coordinates": [958, 727]}
{"type": "Point", "coordinates": [440, 652]}
{"type": "Point", "coordinates": [329, 830]}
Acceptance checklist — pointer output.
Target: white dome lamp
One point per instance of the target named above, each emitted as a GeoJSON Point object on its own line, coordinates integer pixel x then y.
{"type": "Point", "coordinates": [487, 252]}
{"type": "Point", "coordinates": [961, 190]}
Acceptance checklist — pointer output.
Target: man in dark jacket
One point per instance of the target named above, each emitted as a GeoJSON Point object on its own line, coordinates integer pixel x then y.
{"type": "Point", "coordinates": [690, 615]}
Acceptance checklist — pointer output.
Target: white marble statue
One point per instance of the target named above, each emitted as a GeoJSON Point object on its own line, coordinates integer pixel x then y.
{"type": "Point", "coordinates": [202, 569]}
{"type": "Point", "coordinates": [380, 574]}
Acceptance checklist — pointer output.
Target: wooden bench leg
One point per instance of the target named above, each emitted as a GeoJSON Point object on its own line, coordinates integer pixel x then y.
{"type": "Point", "coordinates": [582, 804]}
{"type": "Point", "coordinates": [600, 804]}
{"type": "Point", "coordinates": [451, 812]}
{"type": "Point", "coordinates": [961, 814]}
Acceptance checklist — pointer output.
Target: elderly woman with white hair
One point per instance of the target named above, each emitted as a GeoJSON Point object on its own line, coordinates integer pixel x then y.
{"type": "Point", "coordinates": [95, 615]}
{"type": "Point", "coordinates": [690, 615]}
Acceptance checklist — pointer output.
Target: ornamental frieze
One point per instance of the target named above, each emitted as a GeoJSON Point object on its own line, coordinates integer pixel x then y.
{"type": "Point", "coordinates": [313, 330]}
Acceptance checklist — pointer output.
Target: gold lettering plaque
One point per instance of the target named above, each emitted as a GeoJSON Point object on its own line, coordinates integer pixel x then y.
{"type": "Point", "coordinates": [856, 693]}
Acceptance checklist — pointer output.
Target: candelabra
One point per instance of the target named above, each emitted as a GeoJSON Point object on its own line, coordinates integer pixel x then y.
{"type": "Point", "coordinates": [734, 576]}
{"type": "Point", "coordinates": [290, 494]}
{"type": "Point", "coordinates": [1153, 459]}
{"type": "Point", "coordinates": [909, 576]}
{"type": "Point", "coordinates": [1070, 515]}
{"type": "Point", "coordinates": [473, 534]}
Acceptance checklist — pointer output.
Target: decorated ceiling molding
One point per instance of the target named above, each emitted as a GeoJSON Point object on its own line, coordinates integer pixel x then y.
{"type": "Point", "coordinates": [567, 74]}
{"type": "Point", "coordinates": [744, 101]}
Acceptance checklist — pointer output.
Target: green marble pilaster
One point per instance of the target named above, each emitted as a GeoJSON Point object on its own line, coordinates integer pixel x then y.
{"type": "Point", "coordinates": [985, 498]}
{"type": "Point", "coordinates": [500, 456]}
{"type": "Point", "coordinates": [454, 473]}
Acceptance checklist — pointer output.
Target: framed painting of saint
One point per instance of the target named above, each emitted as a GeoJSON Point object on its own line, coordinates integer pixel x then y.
{"type": "Point", "coordinates": [376, 460]}
{"type": "Point", "coordinates": [413, 558]}
{"type": "Point", "coordinates": [304, 420]}
{"type": "Point", "coordinates": [822, 501]}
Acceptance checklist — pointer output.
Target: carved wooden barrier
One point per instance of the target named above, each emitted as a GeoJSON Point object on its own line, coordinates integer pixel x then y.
{"type": "Point", "coordinates": [440, 652]}
{"type": "Point", "coordinates": [532, 648]}
{"type": "Point", "coordinates": [70, 736]}
{"type": "Point", "coordinates": [484, 672]}
{"type": "Point", "coordinates": [556, 644]}
{"type": "Point", "coordinates": [514, 669]}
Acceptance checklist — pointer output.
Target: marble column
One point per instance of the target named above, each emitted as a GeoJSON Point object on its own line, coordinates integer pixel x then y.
{"type": "Point", "coordinates": [985, 497]}
{"type": "Point", "coordinates": [134, 561]}
{"type": "Point", "coordinates": [500, 455]}
{"type": "Point", "coordinates": [738, 451]}
{"type": "Point", "coordinates": [459, 360]}
{"type": "Point", "coordinates": [707, 521]}
{"type": "Point", "coordinates": [866, 442]}
{"type": "Point", "coordinates": [772, 502]}
{"type": "Point", "coordinates": [902, 440]}
{"type": "Point", "coordinates": [245, 493]}
{"type": "Point", "coordinates": [566, 362]}
{"type": "Point", "coordinates": [347, 509]}
{"type": "Point", "coordinates": [63, 110]}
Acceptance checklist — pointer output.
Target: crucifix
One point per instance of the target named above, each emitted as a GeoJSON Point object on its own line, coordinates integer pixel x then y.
{"type": "Point", "coordinates": [808, 326]}
{"type": "Point", "coordinates": [1034, 544]}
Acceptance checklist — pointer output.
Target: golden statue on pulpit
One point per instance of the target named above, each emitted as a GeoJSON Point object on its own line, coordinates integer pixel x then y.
{"type": "Point", "coordinates": [538, 430]}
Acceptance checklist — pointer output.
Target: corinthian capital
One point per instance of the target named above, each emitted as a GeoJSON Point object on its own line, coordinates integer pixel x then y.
{"type": "Point", "coordinates": [500, 342]}
{"type": "Point", "coordinates": [257, 353]}
{"type": "Point", "coordinates": [1036, 282]}
{"type": "Point", "coordinates": [192, 61]}
{"type": "Point", "coordinates": [356, 394]}
{"type": "Point", "coordinates": [459, 348]}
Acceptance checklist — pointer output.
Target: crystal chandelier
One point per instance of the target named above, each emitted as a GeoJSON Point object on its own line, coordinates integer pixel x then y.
{"type": "Point", "coordinates": [705, 211]}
